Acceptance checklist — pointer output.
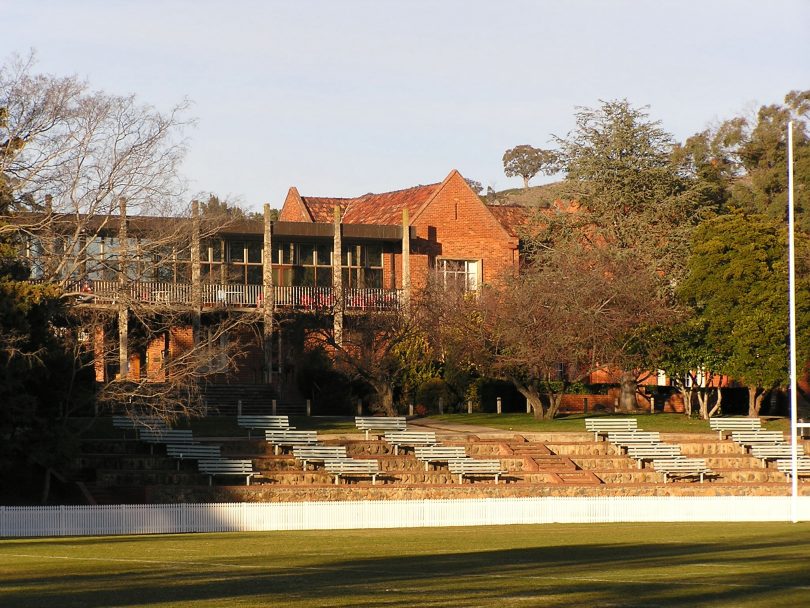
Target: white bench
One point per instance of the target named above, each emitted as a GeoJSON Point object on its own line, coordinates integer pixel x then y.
{"type": "Point", "coordinates": [750, 438]}
{"type": "Point", "coordinates": [226, 467]}
{"type": "Point", "coordinates": [410, 439]}
{"type": "Point", "coordinates": [740, 423]}
{"type": "Point", "coordinates": [470, 467]}
{"type": "Point", "coordinates": [351, 467]}
{"type": "Point", "coordinates": [625, 439]}
{"type": "Point", "coordinates": [318, 453]}
{"type": "Point", "coordinates": [126, 423]}
{"type": "Point", "coordinates": [263, 422]}
{"type": "Point", "coordinates": [288, 438]}
{"type": "Point", "coordinates": [773, 451]}
{"type": "Point", "coordinates": [681, 467]}
{"type": "Point", "coordinates": [438, 453]}
{"type": "Point", "coordinates": [653, 452]}
{"type": "Point", "coordinates": [786, 466]}
{"type": "Point", "coordinates": [192, 451]}
{"type": "Point", "coordinates": [156, 436]}
{"type": "Point", "coordinates": [380, 423]}
{"type": "Point", "coordinates": [603, 426]}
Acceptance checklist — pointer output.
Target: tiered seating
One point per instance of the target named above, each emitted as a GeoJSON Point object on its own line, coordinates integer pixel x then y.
{"type": "Point", "coordinates": [380, 423]}
{"type": "Point", "coordinates": [318, 453]}
{"type": "Point", "coordinates": [290, 438]}
{"type": "Point", "coordinates": [227, 467]}
{"type": "Point", "coordinates": [439, 453]}
{"type": "Point", "coordinates": [749, 439]}
{"type": "Point", "coordinates": [647, 446]}
{"type": "Point", "coordinates": [264, 422]}
{"type": "Point", "coordinates": [353, 467]}
{"type": "Point", "coordinates": [192, 451]}
{"type": "Point", "coordinates": [603, 426]}
{"type": "Point", "coordinates": [786, 466]}
{"type": "Point", "coordinates": [410, 439]}
{"type": "Point", "coordinates": [738, 423]}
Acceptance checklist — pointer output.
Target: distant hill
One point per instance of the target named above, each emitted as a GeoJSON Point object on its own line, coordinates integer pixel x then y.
{"type": "Point", "coordinates": [534, 196]}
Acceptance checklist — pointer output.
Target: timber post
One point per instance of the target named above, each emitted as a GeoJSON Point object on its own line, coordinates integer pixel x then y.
{"type": "Point", "coordinates": [196, 283]}
{"type": "Point", "coordinates": [123, 306]}
{"type": "Point", "coordinates": [406, 261]}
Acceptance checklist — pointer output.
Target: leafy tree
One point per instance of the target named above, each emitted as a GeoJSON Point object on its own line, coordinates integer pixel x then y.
{"type": "Point", "coordinates": [737, 284]}
{"type": "Point", "coordinates": [634, 199]}
{"type": "Point", "coordinates": [474, 185]}
{"type": "Point", "coordinates": [527, 161]}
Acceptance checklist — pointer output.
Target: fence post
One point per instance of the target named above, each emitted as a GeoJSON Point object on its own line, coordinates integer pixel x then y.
{"type": "Point", "coordinates": [584, 405]}
{"type": "Point", "coordinates": [498, 404]}
{"type": "Point", "coordinates": [441, 406]}
{"type": "Point", "coordinates": [274, 405]}
{"type": "Point", "coordinates": [528, 406]}
{"type": "Point", "coordinates": [359, 407]}
{"type": "Point", "coordinates": [239, 407]}
{"type": "Point", "coordinates": [309, 407]}
{"type": "Point", "coordinates": [410, 409]}
{"type": "Point", "coordinates": [469, 406]}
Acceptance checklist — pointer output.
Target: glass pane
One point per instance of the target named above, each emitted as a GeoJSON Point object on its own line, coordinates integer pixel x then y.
{"type": "Point", "coordinates": [323, 277]}
{"type": "Point", "coordinates": [372, 278]}
{"type": "Point", "coordinates": [254, 252]}
{"type": "Point", "coordinates": [216, 251]}
{"type": "Point", "coordinates": [324, 254]}
{"type": "Point", "coordinates": [183, 273]}
{"type": "Point", "coordinates": [306, 251]}
{"type": "Point", "coordinates": [254, 275]}
{"type": "Point", "coordinates": [236, 251]}
{"type": "Point", "coordinates": [282, 277]}
{"type": "Point", "coordinates": [373, 256]}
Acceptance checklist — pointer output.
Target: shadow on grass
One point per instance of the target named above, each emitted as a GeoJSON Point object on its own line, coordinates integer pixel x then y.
{"type": "Point", "coordinates": [661, 574]}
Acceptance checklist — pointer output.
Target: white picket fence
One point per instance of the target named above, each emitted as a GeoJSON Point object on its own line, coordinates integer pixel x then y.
{"type": "Point", "coordinates": [254, 517]}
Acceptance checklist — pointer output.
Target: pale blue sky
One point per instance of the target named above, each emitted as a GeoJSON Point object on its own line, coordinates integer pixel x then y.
{"type": "Point", "coordinates": [341, 98]}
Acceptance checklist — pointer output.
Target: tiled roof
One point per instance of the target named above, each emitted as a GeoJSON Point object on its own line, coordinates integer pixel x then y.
{"type": "Point", "coordinates": [386, 208]}
{"type": "Point", "coordinates": [511, 217]}
{"type": "Point", "coordinates": [321, 208]}
{"type": "Point", "coordinates": [380, 209]}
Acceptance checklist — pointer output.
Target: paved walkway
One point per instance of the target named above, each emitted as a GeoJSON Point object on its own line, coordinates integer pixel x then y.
{"type": "Point", "coordinates": [456, 428]}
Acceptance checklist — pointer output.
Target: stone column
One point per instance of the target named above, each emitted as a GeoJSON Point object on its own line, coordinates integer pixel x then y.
{"type": "Point", "coordinates": [268, 296]}
{"type": "Point", "coordinates": [406, 260]}
{"type": "Point", "coordinates": [196, 281]}
{"type": "Point", "coordinates": [123, 295]}
{"type": "Point", "coordinates": [337, 279]}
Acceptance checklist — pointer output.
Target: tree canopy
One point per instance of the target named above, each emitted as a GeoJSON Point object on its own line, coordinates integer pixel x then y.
{"type": "Point", "coordinates": [526, 161]}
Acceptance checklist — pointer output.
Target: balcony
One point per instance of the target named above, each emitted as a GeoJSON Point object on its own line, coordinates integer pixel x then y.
{"type": "Point", "coordinates": [233, 296]}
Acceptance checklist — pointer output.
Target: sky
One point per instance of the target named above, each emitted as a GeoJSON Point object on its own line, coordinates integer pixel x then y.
{"type": "Point", "coordinates": [345, 97]}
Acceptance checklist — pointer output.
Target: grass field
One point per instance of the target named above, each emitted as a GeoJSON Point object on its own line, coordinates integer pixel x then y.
{"type": "Point", "coordinates": [667, 423]}
{"type": "Point", "coordinates": [619, 565]}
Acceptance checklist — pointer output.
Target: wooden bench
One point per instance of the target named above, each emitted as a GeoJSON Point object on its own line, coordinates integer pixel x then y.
{"type": "Point", "coordinates": [192, 451]}
{"type": "Point", "coordinates": [773, 451]}
{"type": "Point", "coordinates": [380, 423]}
{"type": "Point", "coordinates": [681, 467]}
{"type": "Point", "coordinates": [410, 439]}
{"type": "Point", "coordinates": [654, 451]}
{"type": "Point", "coordinates": [223, 466]}
{"type": "Point", "coordinates": [624, 439]}
{"type": "Point", "coordinates": [738, 423]}
{"type": "Point", "coordinates": [263, 422]}
{"type": "Point", "coordinates": [786, 466]}
{"type": "Point", "coordinates": [470, 467]}
{"type": "Point", "coordinates": [438, 453]}
{"type": "Point", "coordinates": [289, 438]}
{"type": "Point", "coordinates": [750, 438]}
{"type": "Point", "coordinates": [351, 467]}
{"type": "Point", "coordinates": [603, 426]}
{"type": "Point", "coordinates": [318, 453]}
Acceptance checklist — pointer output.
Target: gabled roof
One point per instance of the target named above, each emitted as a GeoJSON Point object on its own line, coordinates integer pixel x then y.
{"type": "Point", "coordinates": [386, 208]}
{"type": "Point", "coordinates": [511, 217]}
{"type": "Point", "coordinates": [321, 208]}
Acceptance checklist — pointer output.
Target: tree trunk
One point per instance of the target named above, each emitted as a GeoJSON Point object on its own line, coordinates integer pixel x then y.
{"type": "Point", "coordinates": [532, 398]}
{"type": "Point", "coordinates": [385, 395]}
{"type": "Point", "coordinates": [687, 393]}
{"type": "Point", "coordinates": [525, 182]}
{"type": "Point", "coordinates": [717, 404]}
{"type": "Point", "coordinates": [554, 402]}
{"type": "Point", "coordinates": [755, 396]}
{"type": "Point", "coordinates": [627, 397]}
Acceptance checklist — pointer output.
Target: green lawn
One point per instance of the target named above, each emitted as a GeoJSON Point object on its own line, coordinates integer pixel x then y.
{"type": "Point", "coordinates": [620, 565]}
{"type": "Point", "coordinates": [672, 423]}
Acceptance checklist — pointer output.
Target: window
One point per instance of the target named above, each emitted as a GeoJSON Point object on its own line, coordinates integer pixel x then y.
{"type": "Point", "coordinates": [458, 274]}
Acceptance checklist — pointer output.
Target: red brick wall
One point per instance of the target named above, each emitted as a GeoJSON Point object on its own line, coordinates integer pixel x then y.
{"type": "Point", "coordinates": [293, 208]}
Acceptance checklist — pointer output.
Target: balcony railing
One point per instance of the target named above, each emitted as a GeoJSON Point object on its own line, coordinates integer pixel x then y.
{"type": "Point", "coordinates": [235, 296]}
